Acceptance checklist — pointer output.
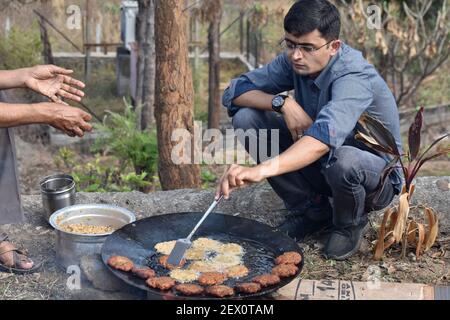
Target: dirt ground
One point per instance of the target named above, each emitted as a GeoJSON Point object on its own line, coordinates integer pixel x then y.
{"type": "Point", "coordinates": [36, 161]}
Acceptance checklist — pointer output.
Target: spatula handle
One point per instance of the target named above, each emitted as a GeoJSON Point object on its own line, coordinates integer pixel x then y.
{"type": "Point", "coordinates": [211, 208]}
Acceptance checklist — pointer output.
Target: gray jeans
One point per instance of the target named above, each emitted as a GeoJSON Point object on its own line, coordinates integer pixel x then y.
{"type": "Point", "coordinates": [352, 180]}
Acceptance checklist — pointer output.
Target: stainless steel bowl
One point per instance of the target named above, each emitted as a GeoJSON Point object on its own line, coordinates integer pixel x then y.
{"type": "Point", "coordinates": [70, 246]}
{"type": "Point", "coordinates": [58, 191]}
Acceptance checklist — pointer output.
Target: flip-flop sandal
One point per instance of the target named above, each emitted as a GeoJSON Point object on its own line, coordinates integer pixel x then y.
{"type": "Point", "coordinates": [16, 258]}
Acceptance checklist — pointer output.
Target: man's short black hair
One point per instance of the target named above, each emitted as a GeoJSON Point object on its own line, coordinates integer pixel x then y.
{"type": "Point", "coordinates": [305, 16]}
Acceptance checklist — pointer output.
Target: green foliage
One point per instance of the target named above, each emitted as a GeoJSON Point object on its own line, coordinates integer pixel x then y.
{"type": "Point", "coordinates": [65, 157]}
{"type": "Point", "coordinates": [97, 176]}
{"type": "Point", "coordinates": [20, 48]}
{"type": "Point", "coordinates": [111, 8]}
{"type": "Point", "coordinates": [121, 137]}
{"type": "Point", "coordinates": [208, 178]}
{"type": "Point", "coordinates": [126, 158]}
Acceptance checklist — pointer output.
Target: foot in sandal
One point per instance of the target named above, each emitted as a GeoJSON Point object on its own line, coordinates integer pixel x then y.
{"type": "Point", "coordinates": [13, 259]}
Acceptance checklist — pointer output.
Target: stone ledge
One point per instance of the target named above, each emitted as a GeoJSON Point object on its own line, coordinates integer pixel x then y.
{"type": "Point", "coordinates": [257, 202]}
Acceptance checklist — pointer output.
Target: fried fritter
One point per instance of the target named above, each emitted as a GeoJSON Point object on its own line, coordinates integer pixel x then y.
{"type": "Point", "coordinates": [184, 275]}
{"type": "Point", "coordinates": [120, 263]}
{"type": "Point", "coordinates": [248, 287]}
{"type": "Point", "coordinates": [203, 266]}
{"type": "Point", "coordinates": [231, 248]}
{"type": "Point", "coordinates": [195, 254]}
{"type": "Point", "coordinates": [206, 244]}
{"type": "Point", "coordinates": [162, 283]}
{"type": "Point", "coordinates": [189, 289]}
{"type": "Point", "coordinates": [220, 291]}
{"type": "Point", "coordinates": [225, 260]}
{"type": "Point", "coordinates": [285, 270]}
{"type": "Point", "coordinates": [290, 257]}
{"type": "Point", "coordinates": [163, 262]}
{"type": "Point", "coordinates": [237, 271]}
{"type": "Point", "coordinates": [165, 247]}
{"type": "Point", "coordinates": [266, 280]}
{"type": "Point", "coordinates": [212, 278]}
{"type": "Point", "coordinates": [144, 272]}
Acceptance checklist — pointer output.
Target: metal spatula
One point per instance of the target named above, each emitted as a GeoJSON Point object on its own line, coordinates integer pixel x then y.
{"type": "Point", "coordinates": [181, 246]}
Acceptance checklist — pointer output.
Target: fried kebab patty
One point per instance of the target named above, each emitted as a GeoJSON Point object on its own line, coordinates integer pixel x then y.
{"type": "Point", "coordinates": [189, 289]}
{"type": "Point", "coordinates": [266, 280]}
{"type": "Point", "coordinates": [144, 272]}
{"type": "Point", "coordinates": [285, 270]}
{"type": "Point", "coordinates": [220, 291]}
{"type": "Point", "coordinates": [290, 257]}
{"type": "Point", "coordinates": [211, 278]}
{"type": "Point", "coordinates": [162, 283]}
{"type": "Point", "coordinates": [120, 263]}
{"type": "Point", "coordinates": [248, 287]}
{"type": "Point", "coordinates": [163, 262]}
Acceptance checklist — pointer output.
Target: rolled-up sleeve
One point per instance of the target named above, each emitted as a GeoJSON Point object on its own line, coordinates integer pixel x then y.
{"type": "Point", "coordinates": [351, 95]}
{"type": "Point", "coordinates": [273, 78]}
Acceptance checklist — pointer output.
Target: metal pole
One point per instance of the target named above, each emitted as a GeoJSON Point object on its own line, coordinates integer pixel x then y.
{"type": "Point", "coordinates": [87, 49]}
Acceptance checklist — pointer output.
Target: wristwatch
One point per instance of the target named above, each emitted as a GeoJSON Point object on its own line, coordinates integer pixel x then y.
{"type": "Point", "coordinates": [278, 102]}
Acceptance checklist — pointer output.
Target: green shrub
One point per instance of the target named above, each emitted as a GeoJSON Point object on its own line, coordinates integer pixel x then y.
{"type": "Point", "coordinates": [20, 48]}
{"type": "Point", "coordinates": [126, 158]}
{"type": "Point", "coordinates": [208, 178]}
{"type": "Point", "coordinates": [97, 176]}
{"type": "Point", "coordinates": [121, 137]}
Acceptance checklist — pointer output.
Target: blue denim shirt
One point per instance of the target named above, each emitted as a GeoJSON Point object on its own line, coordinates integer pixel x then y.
{"type": "Point", "coordinates": [346, 88]}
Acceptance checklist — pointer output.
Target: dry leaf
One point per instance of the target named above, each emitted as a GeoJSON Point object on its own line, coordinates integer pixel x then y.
{"type": "Point", "coordinates": [421, 239]}
{"type": "Point", "coordinates": [403, 211]}
{"type": "Point", "coordinates": [412, 227]}
{"type": "Point", "coordinates": [379, 248]}
{"type": "Point", "coordinates": [433, 227]}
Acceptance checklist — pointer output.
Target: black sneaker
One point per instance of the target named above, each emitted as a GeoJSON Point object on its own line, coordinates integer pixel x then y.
{"type": "Point", "coordinates": [314, 218]}
{"type": "Point", "coordinates": [344, 242]}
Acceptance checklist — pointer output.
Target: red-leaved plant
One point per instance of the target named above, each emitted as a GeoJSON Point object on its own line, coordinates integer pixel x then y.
{"type": "Point", "coordinates": [398, 226]}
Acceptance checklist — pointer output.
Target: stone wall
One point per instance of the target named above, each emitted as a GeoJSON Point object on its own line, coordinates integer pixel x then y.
{"type": "Point", "coordinates": [257, 202]}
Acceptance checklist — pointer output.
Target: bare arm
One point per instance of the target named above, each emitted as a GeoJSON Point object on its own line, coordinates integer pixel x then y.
{"type": "Point", "coordinates": [301, 154]}
{"type": "Point", "coordinates": [49, 80]}
{"type": "Point", "coordinates": [305, 151]}
{"type": "Point", "coordinates": [12, 115]}
{"type": "Point", "coordinates": [297, 120]}
{"type": "Point", "coordinates": [10, 79]}
{"type": "Point", "coordinates": [256, 99]}
{"type": "Point", "coordinates": [70, 120]}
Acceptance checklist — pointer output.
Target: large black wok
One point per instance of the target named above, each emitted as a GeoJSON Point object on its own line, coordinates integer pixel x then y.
{"type": "Point", "coordinates": [137, 240]}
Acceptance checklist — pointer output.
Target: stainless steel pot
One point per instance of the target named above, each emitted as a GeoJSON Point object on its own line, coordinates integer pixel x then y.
{"type": "Point", "coordinates": [58, 191]}
{"type": "Point", "coordinates": [70, 247]}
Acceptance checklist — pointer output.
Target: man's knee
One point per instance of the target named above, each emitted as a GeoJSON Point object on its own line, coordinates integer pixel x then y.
{"type": "Point", "coordinates": [345, 166]}
{"type": "Point", "coordinates": [248, 118]}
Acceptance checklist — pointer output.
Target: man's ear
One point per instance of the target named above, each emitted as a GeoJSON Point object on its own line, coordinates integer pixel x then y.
{"type": "Point", "coordinates": [335, 46]}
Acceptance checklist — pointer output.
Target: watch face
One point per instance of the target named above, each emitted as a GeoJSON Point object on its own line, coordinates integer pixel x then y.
{"type": "Point", "coordinates": [278, 101]}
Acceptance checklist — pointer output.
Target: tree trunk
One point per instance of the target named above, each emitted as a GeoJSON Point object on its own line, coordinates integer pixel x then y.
{"type": "Point", "coordinates": [241, 31]}
{"type": "Point", "coordinates": [148, 86]}
{"type": "Point", "coordinates": [214, 69]}
{"type": "Point", "coordinates": [87, 39]}
{"type": "Point", "coordinates": [46, 46]}
{"type": "Point", "coordinates": [174, 98]}
{"type": "Point", "coordinates": [140, 38]}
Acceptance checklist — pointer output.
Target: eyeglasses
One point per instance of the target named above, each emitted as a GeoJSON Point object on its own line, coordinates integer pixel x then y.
{"type": "Point", "coordinates": [291, 46]}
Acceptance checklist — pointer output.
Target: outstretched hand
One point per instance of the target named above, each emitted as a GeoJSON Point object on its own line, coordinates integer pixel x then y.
{"type": "Point", "coordinates": [54, 83]}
